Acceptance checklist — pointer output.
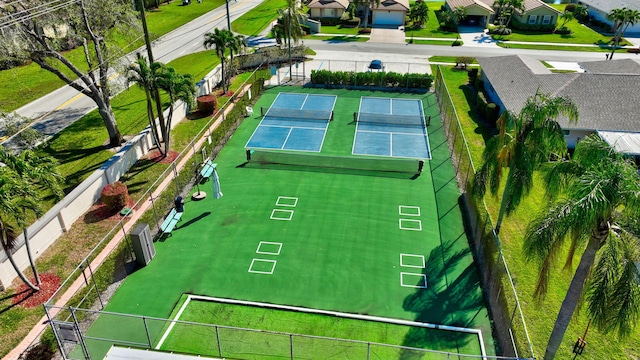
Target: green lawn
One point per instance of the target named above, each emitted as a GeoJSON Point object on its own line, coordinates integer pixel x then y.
{"type": "Point", "coordinates": [258, 18]}
{"type": "Point", "coordinates": [337, 38]}
{"type": "Point", "coordinates": [433, 42]}
{"type": "Point", "coordinates": [338, 30]}
{"type": "Point", "coordinates": [580, 34]}
{"type": "Point", "coordinates": [431, 29]}
{"type": "Point", "coordinates": [539, 315]}
{"type": "Point", "coordinates": [25, 84]}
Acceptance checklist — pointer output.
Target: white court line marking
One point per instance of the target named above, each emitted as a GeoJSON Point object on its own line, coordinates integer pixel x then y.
{"type": "Point", "coordinates": [403, 208]}
{"type": "Point", "coordinates": [422, 277]}
{"type": "Point", "coordinates": [404, 224]}
{"type": "Point", "coordinates": [421, 257]}
{"type": "Point", "coordinates": [273, 266]}
{"type": "Point", "coordinates": [274, 217]}
{"type": "Point", "coordinates": [287, 138]}
{"type": "Point", "coordinates": [269, 243]}
{"type": "Point", "coordinates": [295, 201]}
{"type": "Point", "coordinates": [304, 102]}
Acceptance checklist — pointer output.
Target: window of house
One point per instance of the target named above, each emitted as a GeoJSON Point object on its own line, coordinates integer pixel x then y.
{"type": "Point", "coordinates": [546, 20]}
{"type": "Point", "coordinates": [330, 12]}
{"type": "Point", "coordinates": [533, 19]}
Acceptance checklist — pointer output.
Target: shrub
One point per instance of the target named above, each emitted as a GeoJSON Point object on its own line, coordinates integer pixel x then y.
{"type": "Point", "coordinates": [547, 29]}
{"type": "Point", "coordinates": [207, 104]}
{"type": "Point", "coordinates": [390, 79]}
{"type": "Point", "coordinates": [328, 21]}
{"type": "Point", "coordinates": [115, 196]}
{"type": "Point", "coordinates": [563, 31]}
{"type": "Point", "coordinates": [473, 75]}
{"type": "Point", "coordinates": [478, 84]}
{"type": "Point", "coordinates": [570, 8]}
{"type": "Point", "coordinates": [481, 104]}
{"type": "Point", "coordinates": [491, 113]}
{"type": "Point", "coordinates": [499, 30]}
{"type": "Point", "coordinates": [306, 29]}
{"type": "Point", "coordinates": [354, 22]}
{"type": "Point", "coordinates": [456, 43]}
{"type": "Point", "coordinates": [464, 61]}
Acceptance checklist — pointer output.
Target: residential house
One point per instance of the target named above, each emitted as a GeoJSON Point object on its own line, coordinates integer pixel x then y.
{"type": "Point", "coordinates": [390, 13]}
{"type": "Point", "coordinates": [598, 9]}
{"type": "Point", "coordinates": [328, 8]}
{"type": "Point", "coordinates": [483, 12]}
{"type": "Point", "coordinates": [603, 94]}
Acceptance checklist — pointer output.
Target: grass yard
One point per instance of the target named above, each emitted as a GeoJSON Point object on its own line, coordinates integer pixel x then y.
{"type": "Point", "coordinates": [539, 315]}
{"type": "Point", "coordinates": [341, 249]}
{"type": "Point", "coordinates": [257, 19]}
{"type": "Point", "coordinates": [339, 38]}
{"type": "Point", "coordinates": [431, 29]}
{"type": "Point", "coordinates": [25, 84]}
{"type": "Point", "coordinates": [339, 30]}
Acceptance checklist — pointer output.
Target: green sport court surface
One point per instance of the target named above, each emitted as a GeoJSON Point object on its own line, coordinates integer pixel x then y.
{"type": "Point", "coordinates": [388, 245]}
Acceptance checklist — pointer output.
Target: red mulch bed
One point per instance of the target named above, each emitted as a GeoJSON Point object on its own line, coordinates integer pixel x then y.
{"type": "Point", "coordinates": [155, 156]}
{"type": "Point", "coordinates": [99, 212]}
{"type": "Point", "coordinates": [28, 298]}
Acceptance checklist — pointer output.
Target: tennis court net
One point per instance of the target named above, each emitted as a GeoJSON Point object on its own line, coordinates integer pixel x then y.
{"type": "Point", "coordinates": [373, 118]}
{"type": "Point", "coordinates": [297, 114]}
{"type": "Point", "coordinates": [412, 166]}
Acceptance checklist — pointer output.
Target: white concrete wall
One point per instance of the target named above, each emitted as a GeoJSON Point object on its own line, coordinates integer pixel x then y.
{"type": "Point", "coordinates": [46, 230]}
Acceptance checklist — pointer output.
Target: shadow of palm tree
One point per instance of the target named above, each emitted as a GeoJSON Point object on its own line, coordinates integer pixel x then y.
{"type": "Point", "coordinates": [448, 299]}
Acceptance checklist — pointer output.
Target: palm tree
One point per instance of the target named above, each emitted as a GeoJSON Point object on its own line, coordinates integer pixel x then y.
{"type": "Point", "coordinates": [21, 178]}
{"type": "Point", "coordinates": [419, 13]}
{"type": "Point", "coordinates": [622, 19]}
{"type": "Point", "coordinates": [523, 143]}
{"type": "Point", "coordinates": [598, 188]}
{"type": "Point", "coordinates": [290, 19]}
{"type": "Point", "coordinates": [499, 5]}
{"type": "Point", "coordinates": [223, 40]}
{"type": "Point", "coordinates": [178, 87]}
{"type": "Point", "coordinates": [144, 76]}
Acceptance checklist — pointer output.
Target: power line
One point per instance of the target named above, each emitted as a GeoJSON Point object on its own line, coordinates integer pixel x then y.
{"type": "Point", "coordinates": [27, 14]}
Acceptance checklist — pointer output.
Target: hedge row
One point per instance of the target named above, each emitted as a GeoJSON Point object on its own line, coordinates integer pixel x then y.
{"type": "Point", "coordinates": [516, 25]}
{"type": "Point", "coordinates": [378, 79]}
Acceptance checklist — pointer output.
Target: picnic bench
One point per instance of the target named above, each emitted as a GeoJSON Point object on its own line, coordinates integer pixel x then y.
{"type": "Point", "coordinates": [207, 169]}
{"type": "Point", "coordinates": [170, 221]}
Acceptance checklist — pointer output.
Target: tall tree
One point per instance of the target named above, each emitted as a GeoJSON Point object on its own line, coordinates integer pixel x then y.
{"type": "Point", "coordinates": [566, 16]}
{"type": "Point", "coordinates": [178, 87]}
{"type": "Point", "coordinates": [622, 18]}
{"type": "Point", "coordinates": [368, 6]}
{"type": "Point", "coordinates": [594, 189]}
{"type": "Point", "coordinates": [42, 34]}
{"type": "Point", "coordinates": [419, 13]}
{"type": "Point", "coordinates": [290, 19]}
{"type": "Point", "coordinates": [22, 179]}
{"type": "Point", "coordinates": [223, 40]}
{"type": "Point", "coordinates": [500, 5]}
{"type": "Point", "coordinates": [144, 75]}
{"type": "Point", "coordinates": [511, 7]}
{"type": "Point", "coordinates": [524, 142]}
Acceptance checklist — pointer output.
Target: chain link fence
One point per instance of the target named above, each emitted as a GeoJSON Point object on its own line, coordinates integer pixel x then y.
{"type": "Point", "coordinates": [509, 323]}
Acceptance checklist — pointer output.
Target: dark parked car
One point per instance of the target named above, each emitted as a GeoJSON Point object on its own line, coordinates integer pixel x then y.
{"type": "Point", "coordinates": [376, 65]}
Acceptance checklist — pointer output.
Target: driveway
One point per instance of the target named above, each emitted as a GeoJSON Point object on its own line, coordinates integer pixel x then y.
{"type": "Point", "coordinates": [476, 36]}
{"type": "Point", "coordinates": [386, 35]}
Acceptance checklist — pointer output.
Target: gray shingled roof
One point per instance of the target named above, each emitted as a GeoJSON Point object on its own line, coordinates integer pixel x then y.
{"type": "Point", "coordinates": [608, 5]}
{"type": "Point", "coordinates": [605, 101]}
{"type": "Point", "coordinates": [329, 4]}
{"type": "Point", "coordinates": [622, 66]}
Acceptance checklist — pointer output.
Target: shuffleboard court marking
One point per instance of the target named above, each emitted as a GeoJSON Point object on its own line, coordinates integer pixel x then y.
{"type": "Point", "coordinates": [407, 210]}
{"type": "Point", "coordinates": [258, 261]}
{"type": "Point", "coordinates": [287, 215]}
{"type": "Point", "coordinates": [410, 224]}
{"type": "Point", "coordinates": [408, 263]}
{"type": "Point", "coordinates": [422, 280]}
{"type": "Point", "coordinates": [477, 332]}
{"type": "Point", "coordinates": [267, 243]}
{"type": "Point", "coordinates": [287, 201]}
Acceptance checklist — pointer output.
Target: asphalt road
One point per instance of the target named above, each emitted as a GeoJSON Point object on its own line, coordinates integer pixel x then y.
{"type": "Point", "coordinates": [62, 107]}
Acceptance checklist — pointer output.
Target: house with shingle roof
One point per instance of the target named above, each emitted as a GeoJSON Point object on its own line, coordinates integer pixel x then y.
{"type": "Point", "coordinates": [536, 12]}
{"type": "Point", "coordinates": [604, 94]}
{"type": "Point", "coordinates": [328, 8]}
{"type": "Point", "coordinates": [598, 9]}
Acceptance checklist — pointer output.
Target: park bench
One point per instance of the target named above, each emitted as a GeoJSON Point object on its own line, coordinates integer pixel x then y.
{"type": "Point", "coordinates": [206, 170]}
{"type": "Point", "coordinates": [170, 221]}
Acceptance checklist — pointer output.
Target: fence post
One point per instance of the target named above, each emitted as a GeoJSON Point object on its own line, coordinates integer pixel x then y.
{"type": "Point", "coordinates": [55, 332]}
{"type": "Point", "coordinates": [87, 356]}
{"type": "Point", "coordinates": [95, 284]}
{"type": "Point", "coordinates": [291, 345]}
{"type": "Point", "coordinates": [175, 177]}
{"type": "Point", "coordinates": [218, 340]}
{"type": "Point", "coordinates": [146, 329]}
{"type": "Point", "coordinates": [153, 205]}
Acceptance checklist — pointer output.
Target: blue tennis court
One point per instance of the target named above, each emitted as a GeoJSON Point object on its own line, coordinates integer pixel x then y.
{"type": "Point", "coordinates": [295, 122]}
{"type": "Point", "coordinates": [391, 127]}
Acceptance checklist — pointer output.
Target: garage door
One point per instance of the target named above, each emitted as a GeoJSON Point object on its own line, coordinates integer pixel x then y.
{"type": "Point", "coordinates": [387, 17]}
